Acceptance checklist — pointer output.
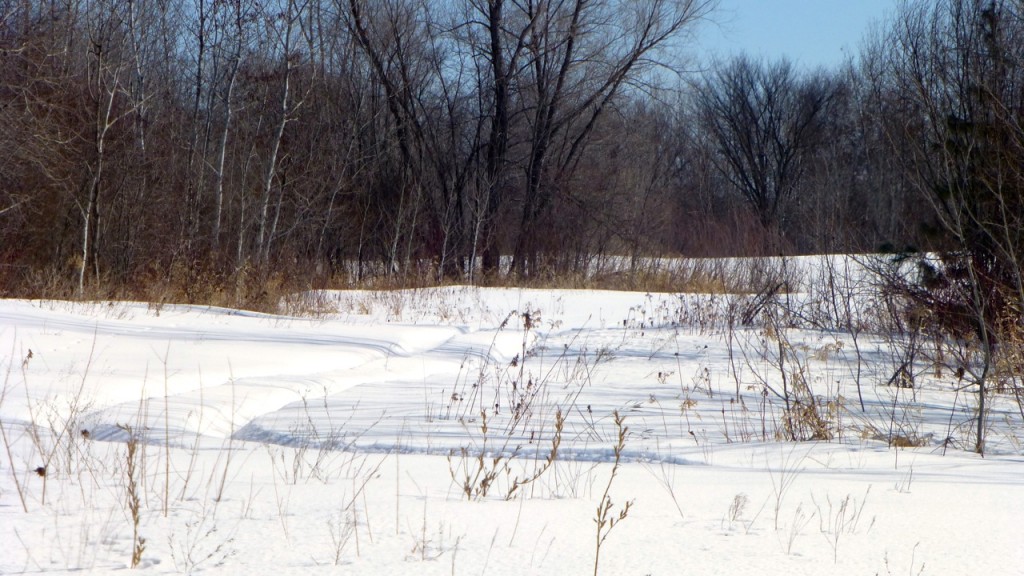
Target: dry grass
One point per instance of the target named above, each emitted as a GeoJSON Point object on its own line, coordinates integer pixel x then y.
{"type": "Point", "coordinates": [132, 498]}
{"type": "Point", "coordinates": [283, 289]}
{"type": "Point", "coordinates": [606, 517]}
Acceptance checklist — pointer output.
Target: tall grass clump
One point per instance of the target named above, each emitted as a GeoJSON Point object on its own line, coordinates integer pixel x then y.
{"type": "Point", "coordinates": [517, 416]}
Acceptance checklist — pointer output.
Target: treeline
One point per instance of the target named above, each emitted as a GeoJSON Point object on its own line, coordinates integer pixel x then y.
{"type": "Point", "coordinates": [217, 145]}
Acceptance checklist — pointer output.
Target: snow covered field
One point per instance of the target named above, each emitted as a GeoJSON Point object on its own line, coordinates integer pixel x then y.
{"type": "Point", "coordinates": [472, 431]}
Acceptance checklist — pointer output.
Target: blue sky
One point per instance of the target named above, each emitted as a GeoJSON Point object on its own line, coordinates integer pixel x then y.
{"type": "Point", "coordinates": [809, 32]}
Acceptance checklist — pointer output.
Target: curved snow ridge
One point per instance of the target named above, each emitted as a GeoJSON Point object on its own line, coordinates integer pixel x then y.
{"type": "Point", "coordinates": [300, 437]}
{"type": "Point", "coordinates": [198, 325]}
{"type": "Point", "coordinates": [107, 432]}
{"type": "Point", "coordinates": [218, 411]}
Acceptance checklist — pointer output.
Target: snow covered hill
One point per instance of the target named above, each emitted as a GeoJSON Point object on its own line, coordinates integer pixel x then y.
{"type": "Point", "coordinates": [472, 431]}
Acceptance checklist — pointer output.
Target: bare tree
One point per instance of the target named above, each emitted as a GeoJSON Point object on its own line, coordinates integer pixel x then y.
{"type": "Point", "coordinates": [763, 121]}
{"type": "Point", "coordinates": [107, 89]}
{"type": "Point", "coordinates": [499, 42]}
{"type": "Point", "coordinates": [283, 27]}
{"type": "Point", "coordinates": [390, 39]}
{"type": "Point", "coordinates": [581, 56]}
{"type": "Point", "coordinates": [232, 19]}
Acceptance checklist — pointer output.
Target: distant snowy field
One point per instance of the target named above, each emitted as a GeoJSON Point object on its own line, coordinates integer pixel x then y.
{"type": "Point", "coordinates": [341, 442]}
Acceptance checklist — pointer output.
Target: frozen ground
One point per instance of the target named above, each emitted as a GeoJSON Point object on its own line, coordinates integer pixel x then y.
{"type": "Point", "coordinates": [342, 442]}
